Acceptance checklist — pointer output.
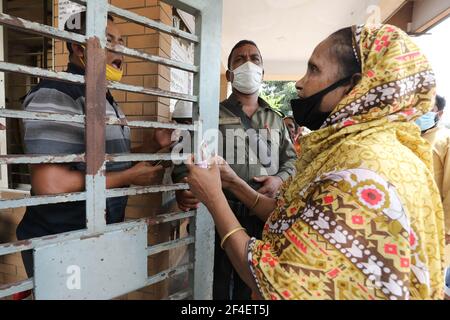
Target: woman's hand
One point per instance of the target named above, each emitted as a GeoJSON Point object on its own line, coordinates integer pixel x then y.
{"type": "Point", "coordinates": [186, 199]}
{"type": "Point", "coordinates": [227, 175]}
{"type": "Point", "coordinates": [205, 184]}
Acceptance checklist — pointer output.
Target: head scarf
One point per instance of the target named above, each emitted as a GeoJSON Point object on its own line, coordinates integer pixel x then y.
{"type": "Point", "coordinates": [397, 86]}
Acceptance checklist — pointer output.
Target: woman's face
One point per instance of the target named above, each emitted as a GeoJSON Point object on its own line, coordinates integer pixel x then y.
{"type": "Point", "coordinates": [323, 71]}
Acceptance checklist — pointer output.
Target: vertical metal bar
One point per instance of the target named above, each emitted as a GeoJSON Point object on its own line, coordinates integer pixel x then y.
{"type": "Point", "coordinates": [53, 39]}
{"type": "Point", "coordinates": [44, 39]}
{"type": "Point", "coordinates": [3, 141]}
{"type": "Point", "coordinates": [96, 21]}
{"type": "Point", "coordinates": [208, 24]}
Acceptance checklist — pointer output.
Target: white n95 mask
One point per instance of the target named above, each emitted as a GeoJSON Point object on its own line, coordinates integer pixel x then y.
{"type": "Point", "coordinates": [247, 78]}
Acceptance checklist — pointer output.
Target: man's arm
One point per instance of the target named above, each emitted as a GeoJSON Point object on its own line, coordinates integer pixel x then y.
{"type": "Point", "coordinates": [287, 156]}
{"type": "Point", "coordinates": [49, 179]}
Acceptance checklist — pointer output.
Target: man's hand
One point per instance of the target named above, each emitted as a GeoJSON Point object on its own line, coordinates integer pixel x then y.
{"type": "Point", "coordinates": [186, 199]}
{"type": "Point", "coordinates": [163, 137]}
{"type": "Point", "coordinates": [143, 174]}
{"type": "Point", "coordinates": [271, 185]}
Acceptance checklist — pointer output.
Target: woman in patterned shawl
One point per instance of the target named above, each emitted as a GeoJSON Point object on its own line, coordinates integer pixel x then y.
{"type": "Point", "coordinates": [362, 218]}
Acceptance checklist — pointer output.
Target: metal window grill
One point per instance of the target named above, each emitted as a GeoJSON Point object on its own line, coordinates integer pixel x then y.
{"type": "Point", "coordinates": [125, 243]}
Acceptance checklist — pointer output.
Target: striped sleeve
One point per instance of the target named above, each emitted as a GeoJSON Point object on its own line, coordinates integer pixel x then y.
{"type": "Point", "coordinates": [53, 137]}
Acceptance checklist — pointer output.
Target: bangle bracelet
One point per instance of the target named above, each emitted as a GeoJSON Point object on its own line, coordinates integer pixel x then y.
{"type": "Point", "coordinates": [229, 234]}
{"type": "Point", "coordinates": [256, 201]}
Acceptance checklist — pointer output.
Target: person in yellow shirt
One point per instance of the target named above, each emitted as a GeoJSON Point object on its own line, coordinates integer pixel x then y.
{"type": "Point", "coordinates": [439, 138]}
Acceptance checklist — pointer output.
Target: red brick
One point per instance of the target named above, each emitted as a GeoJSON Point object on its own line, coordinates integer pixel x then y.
{"type": "Point", "coordinates": [14, 259]}
{"type": "Point", "coordinates": [133, 80]}
{"type": "Point", "coordinates": [127, 4]}
{"type": "Point", "coordinates": [143, 41]}
{"type": "Point", "coordinates": [135, 295]}
{"type": "Point", "coordinates": [151, 12]}
{"type": "Point", "coordinates": [138, 97]}
{"type": "Point", "coordinates": [150, 109]}
{"type": "Point", "coordinates": [130, 28]}
{"type": "Point", "coordinates": [10, 278]}
{"type": "Point", "coordinates": [8, 269]}
{"type": "Point", "coordinates": [131, 108]}
{"type": "Point", "coordinates": [151, 2]}
{"type": "Point", "coordinates": [150, 81]}
{"type": "Point", "coordinates": [141, 68]}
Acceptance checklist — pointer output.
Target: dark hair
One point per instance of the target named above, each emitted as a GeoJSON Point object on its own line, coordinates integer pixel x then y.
{"type": "Point", "coordinates": [440, 102]}
{"type": "Point", "coordinates": [344, 52]}
{"type": "Point", "coordinates": [241, 44]}
{"type": "Point", "coordinates": [81, 28]}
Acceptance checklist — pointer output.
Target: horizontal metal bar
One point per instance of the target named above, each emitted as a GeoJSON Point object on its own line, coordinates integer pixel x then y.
{"type": "Point", "coordinates": [133, 191]}
{"type": "Point", "coordinates": [153, 58]}
{"type": "Point", "coordinates": [74, 78]}
{"type": "Point", "coordinates": [78, 118]}
{"type": "Point", "coordinates": [81, 196]}
{"type": "Point", "coordinates": [33, 158]}
{"type": "Point", "coordinates": [161, 276]}
{"type": "Point", "coordinates": [134, 17]}
{"type": "Point", "coordinates": [38, 200]}
{"type": "Point", "coordinates": [144, 157]}
{"type": "Point", "coordinates": [49, 116]}
{"type": "Point", "coordinates": [41, 73]}
{"type": "Point", "coordinates": [152, 91]}
{"type": "Point", "coordinates": [169, 245]}
{"type": "Point", "coordinates": [18, 246]}
{"type": "Point", "coordinates": [180, 295]}
{"type": "Point", "coordinates": [16, 287]}
{"type": "Point", "coordinates": [168, 217]}
{"type": "Point", "coordinates": [150, 124]}
{"type": "Point", "coordinates": [41, 29]}
{"type": "Point", "coordinates": [69, 158]}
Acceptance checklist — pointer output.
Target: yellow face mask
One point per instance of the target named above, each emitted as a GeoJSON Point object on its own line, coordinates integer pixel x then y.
{"type": "Point", "coordinates": [112, 74]}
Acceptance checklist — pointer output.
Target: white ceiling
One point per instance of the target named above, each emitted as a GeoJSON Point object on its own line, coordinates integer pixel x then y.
{"type": "Point", "coordinates": [286, 31]}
